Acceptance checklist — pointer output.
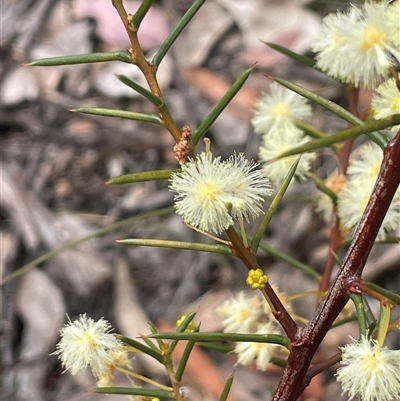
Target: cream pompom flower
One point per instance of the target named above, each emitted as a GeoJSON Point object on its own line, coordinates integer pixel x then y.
{"type": "Point", "coordinates": [212, 192]}
{"type": "Point", "coordinates": [361, 45]}
{"type": "Point", "coordinates": [352, 203]}
{"type": "Point", "coordinates": [330, 44]}
{"type": "Point", "coordinates": [368, 164]}
{"type": "Point", "coordinates": [386, 101]}
{"type": "Point", "coordinates": [85, 343]}
{"type": "Point", "coordinates": [325, 205]}
{"type": "Point", "coordinates": [353, 199]}
{"type": "Point", "coordinates": [240, 313]}
{"type": "Point", "coordinates": [203, 196]}
{"type": "Point", "coordinates": [252, 315]}
{"type": "Point", "coordinates": [249, 189]}
{"type": "Point", "coordinates": [278, 109]}
{"type": "Point", "coordinates": [370, 371]}
{"type": "Point", "coordinates": [247, 352]}
{"type": "Point", "coordinates": [279, 142]}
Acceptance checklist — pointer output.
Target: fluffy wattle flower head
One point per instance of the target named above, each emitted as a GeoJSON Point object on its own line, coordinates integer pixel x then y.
{"type": "Point", "coordinates": [252, 315]}
{"type": "Point", "coordinates": [250, 190]}
{"type": "Point", "coordinates": [278, 142]}
{"type": "Point", "coordinates": [368, 163]}
{"type": "Point", "coordinates": [330, 44]}
{"type": "Point", "coordinates": [361, 45]}
{"type": "Point", "coordinates": [362, 173]}
{"type": "Point", "coordinates": [353, 201]}
{"type": "Point", "coordinates": [211, 192]}
{"type": "Point", "coordinates": [85, 343]}
{"type": "Point", "coordinates": [370, 371]}
{"type": "Point", "coordinates": [386, 101]}
{"type": "Point", "coordinates": [324, 202]}
{"type": "Point", "coordinates": [240, 313]}
{"type": "Point", "coordinates": [247, 352]}
{"type": "Point", "coordinates": [203, 196]}
{"type": "Point", "coordinates": [281, 107]}
{"type": "Point", "coordinates": [118, 359]}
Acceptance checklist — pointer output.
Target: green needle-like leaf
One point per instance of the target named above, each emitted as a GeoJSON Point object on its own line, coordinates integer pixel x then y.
{"type": "Point", "coordinates": [309, 271]}
{"type": "Point", "coordinates": [150, 344]}
{"type": "Point", "coordinates": [227, 389]}
{"type": "Point", "coordinates": [320, 184]}
{"type": "Point", "coordinates": [358, 301]}
{"type": "Point", "coordinates": [139, 89]}
{"type": "Point", "coordinates": [82, 59]}
{"type": "Point", "coordinates": [218, 109]}
{"type": "Point", "coordinates": [194, 246]}
{"type": "Point", "coordinates": [184, 359]}
{"type": "Point", "coordinates": [341, 322]}
{"type": "Point", "coordinates": [255, 242]}
{"type": "Point", "coordinates": [154, 330]}
{"type": "Point", "coordinates": [290, 53]}
{"type": "Point", "coordinates": [141, 13]}
{"type": "Point", "coordinates": [223, 348]}
{"type": "Point", "coordinates": [182, 327]}
{"type": "Point", "coordinates": [353, 132]}
{"type": "Point", "coordinates": [371, 320]}
{"type": "Point", "coordinates": [185, 324]}
{"type": "Point", "coordinates": [384, 292]}
{"type": "Point", "coordinates": [143, 348]}
{"type": "Point", "coordinates": [314, 132]}
{"type": "Point", "coordinates": [130, 115]}
{"type": "Point", "coordinates": [135, 391]}
{"type": "Point", "coordinates": [231, 337]}
{"type": "Point", "coordinates": [141, 177]}
{"type": "Point", "coordinates": [278, 361]}
{"type": "Point", "coordinates": [377, 137]}
{"type": "Point", "coordinates": [383, 322]}
{"type": "Point", "coordinates": [190, 13]}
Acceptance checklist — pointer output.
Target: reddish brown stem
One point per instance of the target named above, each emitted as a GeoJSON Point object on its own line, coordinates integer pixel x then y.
{"type": "Point", "coordinates": [358, 286]}
{"type": "Point", "coordinates": [281, 314]}
{"type": "Point", "coordinates": [294, 379]}
{"type": "Point", "coordinates": [335, 241]}
{"type": "Point", "coordinates": [323, 365]}
{"type": "Point", "coordinates": [247, 256]}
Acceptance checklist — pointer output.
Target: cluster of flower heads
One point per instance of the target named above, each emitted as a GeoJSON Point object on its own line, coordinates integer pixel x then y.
{"type": "Point", "coordinates": [211, 193]}
{"type": "Point", "coordinates": [275, 119]}
{"type": "Point", "coordinates": [361, 45]}
{"type": "Point", "coordinates": [370, 371]}
{"type": "Point", "coordinates": [88, 344]}
{"type": "Point", "coordinates": [245, 314]}
{"type": "Point", "coordinates": [362, 174]}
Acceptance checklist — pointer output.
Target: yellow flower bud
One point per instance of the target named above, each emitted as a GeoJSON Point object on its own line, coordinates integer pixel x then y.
{"type": "Point", "coordinates": [256, 279]}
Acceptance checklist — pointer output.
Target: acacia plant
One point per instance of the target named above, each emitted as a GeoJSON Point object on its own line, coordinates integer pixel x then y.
{"type": "Point", "coordinates": [360, 201]}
